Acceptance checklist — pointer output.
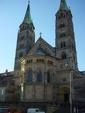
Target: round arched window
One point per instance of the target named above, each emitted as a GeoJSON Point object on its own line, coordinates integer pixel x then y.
{"type": "Point", "coordinates": [63, 55]}
{"type": "Point", "coordinates": [39, 76]}
{"type": "Point", "coordinates": [48, 77]}
{"type": "Point", "coordinates": [29, 76]}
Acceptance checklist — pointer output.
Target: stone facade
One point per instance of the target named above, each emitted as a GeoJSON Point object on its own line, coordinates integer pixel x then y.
{"type": "Point", "coordinates": [43, 73]}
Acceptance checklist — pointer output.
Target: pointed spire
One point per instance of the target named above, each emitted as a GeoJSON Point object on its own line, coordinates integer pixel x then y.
{"type": "Point", "coordinates": [27, 18]}
{"type": "Point", "coordinates": [63, 5]}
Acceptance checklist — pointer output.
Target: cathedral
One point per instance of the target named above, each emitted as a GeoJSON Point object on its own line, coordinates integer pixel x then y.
{"type": "Point", "coordinates": [43, 73]}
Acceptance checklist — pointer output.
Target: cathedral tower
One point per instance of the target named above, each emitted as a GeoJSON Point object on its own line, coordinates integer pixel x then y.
{"type": "Point", "coordinates": [65, 39]}
{"type": "Point", "coordinates": [26, 37]}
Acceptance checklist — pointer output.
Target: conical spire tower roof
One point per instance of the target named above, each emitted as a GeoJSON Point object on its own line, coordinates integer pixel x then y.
{"type": "Point", "coordinates": [63, 5]}
{"type": "Point", "coordinates": [27, 18]}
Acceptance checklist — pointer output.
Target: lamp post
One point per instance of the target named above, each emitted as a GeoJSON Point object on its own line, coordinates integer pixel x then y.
{"type": "Point", "coordinates": [22, 61]}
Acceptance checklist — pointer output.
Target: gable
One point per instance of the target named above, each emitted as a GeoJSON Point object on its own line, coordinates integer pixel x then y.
{"type": "Point", "coordinates": [41, 47]}
{"type": "Point", "coordinates": [41, 51]}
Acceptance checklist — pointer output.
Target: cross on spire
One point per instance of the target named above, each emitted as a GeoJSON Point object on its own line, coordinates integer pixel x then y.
{"type": "Point", "coordinates": [40, 34]}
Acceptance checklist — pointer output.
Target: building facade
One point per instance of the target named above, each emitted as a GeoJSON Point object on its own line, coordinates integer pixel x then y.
{"type": "Point", "coordinates": [43, 73]}
{"type": "Point", "coordinates": [43, 64]}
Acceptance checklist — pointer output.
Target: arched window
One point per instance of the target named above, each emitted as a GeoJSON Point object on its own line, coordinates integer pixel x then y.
{"type": "Point", "coordinates": [48, 77]}
{"type": "Point", "coordinates": [62, 15]}
{"type": "Point", "coordinates": [39, 76]}
{"type": "Point", "coordinates": [20, 54]}
{"type": "Point", "coordinates": [63, 55]}
{"type": "Point", "coordinates": [62, 25]}
{"type": "Point", "coordinates": [62, 35]}
{"type": "Point", "coordinates": [29, 76]}
{"type": "Point", "coordinates": [63, 44]}
{"type": "Point", "coordinates": [66, 97]}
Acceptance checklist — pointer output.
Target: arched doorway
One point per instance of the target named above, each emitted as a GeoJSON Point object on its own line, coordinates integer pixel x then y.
{"type": "Point", "coordinates": [64, 94]}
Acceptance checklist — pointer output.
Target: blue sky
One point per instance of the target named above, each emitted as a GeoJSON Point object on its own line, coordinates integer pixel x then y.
{"type": "Point", "coordinates": [43, 14]}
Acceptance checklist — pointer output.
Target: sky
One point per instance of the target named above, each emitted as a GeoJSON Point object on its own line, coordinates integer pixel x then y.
{"type": "Point", "coordinates": [43, 12]}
